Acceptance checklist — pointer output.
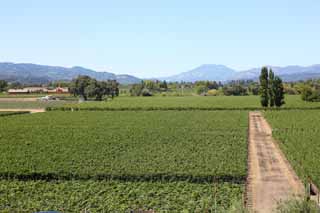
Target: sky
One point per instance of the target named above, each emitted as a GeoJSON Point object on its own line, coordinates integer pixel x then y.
{"type": "Point", "coordinates": [149, 38]}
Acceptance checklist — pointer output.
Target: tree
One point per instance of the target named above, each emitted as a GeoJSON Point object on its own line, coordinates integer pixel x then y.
{"type": "Point", "coordinates": [310, 94]}
{"type": "Point", "coordinates": [263, 90]}
{"type": "Point", "coordinates": [86, 87]}
{"type": "Point", "coordinates": [278, 92]}
{"type": "Point", "coordinates": [235, 89]}
{"type": "Point", "coordinates": [164, 85]}
{"type": "Point", "coordinates": [3, 85]}
{"type": "Point", "coordinates": [272, 88]}
{"type": "Point", "coordinates": [201, 90]}
{"type": "Point", "coordinates": [136, 89]}
{"type": "Point", "coordinates": [79, 85]}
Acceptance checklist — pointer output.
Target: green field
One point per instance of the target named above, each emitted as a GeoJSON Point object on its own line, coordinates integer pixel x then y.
{"type": "Point", "coordinates": [188, 156]}
{"type": "Point", "coordinates": [116, 196]}
{"type": "Point", "coordinates": [298, 135]}
{"type": "Point", "coordinates": [189, 102]}
{"type": "Point", "coordinates": [2, 114]}
{"type": "Point", "coordinates": [30, 104]}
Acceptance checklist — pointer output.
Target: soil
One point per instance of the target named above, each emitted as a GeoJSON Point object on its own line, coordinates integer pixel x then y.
{"type": "Point", "coordinates": [271, 178]}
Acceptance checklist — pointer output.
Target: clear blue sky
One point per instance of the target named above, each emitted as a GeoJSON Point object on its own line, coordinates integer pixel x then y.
{"type": "Point", "coordinates": [157, 38]}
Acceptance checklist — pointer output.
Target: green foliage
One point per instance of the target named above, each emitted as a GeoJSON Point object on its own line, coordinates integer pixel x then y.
{"type": "Point", "coordinates": [298, 134]}
{"type": "Point", "coordinates": [145, 145]}
{"type": "Point", "coordinates": [264, 86]}
{"type": "Point", "coordinates": [136, 89]}
{"type": "Point", "coordinates": [306, 93]}
{"type": "Point", "coordinates": [169, 102]}
{"type": "Point", "coordinates": [253, 88]}
{"type": "Point", "coordinates": [146, 92]}
{"type": "Point", "coordinates": [148, 88]}
{"type": "Point", "coordinates": [3, 85]}
{"type": "Point", "coordinates": [271, 89]}
{"type": "Point", "coordinates": [213, 92]}
{"type": "Point", "coordinates": [2, 114]}
{"type": "Point", "coordinates": [201, 90]}
{"type": "Point", "coordinates": [116, 196]}
{"type": "Point", "coordinates": [310, 94]}
{"type": "Point", "coordinates": [235, 90]}
{"type": "Point", "coordinates": [31, 104]}
{"type": "Point", "coordinates": [87, 87]}
{"type": "Point", "coordinates": [294, 205]}
{"type": "Point", "coordinates": [107, 161]}
{"type": "Point", "coordinates": [277, 92]}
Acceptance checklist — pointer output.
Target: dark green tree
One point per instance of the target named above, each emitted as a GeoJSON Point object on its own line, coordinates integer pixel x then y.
{"type": "Point", "coordinates": [164, 85]}
{"type": "Point", "coordinates": [3, 85]}
{"type": "Point", "coordinates": [79, 86]}
{"type": "Point", "coordinates": [263, 90]}
{"type": "Point", "coordinates": [87, 87]}
{"type": "Point", "coordinates": [278, 92]}
{"type": "Point", "coordinates": [272, 88]}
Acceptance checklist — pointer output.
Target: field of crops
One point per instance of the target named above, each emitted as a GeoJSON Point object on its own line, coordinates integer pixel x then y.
{"type": "Point", "coordinates": [189, 102]}
{"type": "Point", "coordinates": [2, 114]}
{"type": "Point", "coordinates": [30, 104]}
{"type": "Point", "coordinates": [116, 196]}
{"type": "Point", "coordinates": [298, 135]}
{"type": "Point", "coordinates": [181, 159]}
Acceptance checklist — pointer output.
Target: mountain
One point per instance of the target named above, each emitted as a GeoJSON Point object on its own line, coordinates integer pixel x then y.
{"type": "Point", "coordinates": [288, 73]}
{"type": "Point", "coordinates": [210, 72]}
{"type": "Point", "coordinates": [37, 74]}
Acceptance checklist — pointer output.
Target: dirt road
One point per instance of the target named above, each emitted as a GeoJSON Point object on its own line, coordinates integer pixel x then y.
{"type": "Point", "coordinates": [271, 178]}
{"type": "Point", "coordinates": [23, 110]}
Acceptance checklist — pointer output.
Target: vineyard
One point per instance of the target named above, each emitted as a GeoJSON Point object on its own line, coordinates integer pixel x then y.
{"type": "Point", "coordinates": [298, 135]}
{"type": "Point", "coordinates": [2, 114]}
{"type": "Point", "coordinates": [186, 103]}
{"type": "Point", "coordinates": [164, 160]}
{"type": "Point", "coordinates": [29, 104]}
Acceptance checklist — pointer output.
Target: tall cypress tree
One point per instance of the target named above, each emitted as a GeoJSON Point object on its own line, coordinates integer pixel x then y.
{"type": "Point", "coordinates": [278, 92]}
{"type": "Point", "coordinates": [271, 88]}
{"type": "Point", "coordinates": [263, 90]}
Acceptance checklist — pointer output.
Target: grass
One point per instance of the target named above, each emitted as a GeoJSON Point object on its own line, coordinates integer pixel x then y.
{"type": "Point", "coordinates": [295, 205]}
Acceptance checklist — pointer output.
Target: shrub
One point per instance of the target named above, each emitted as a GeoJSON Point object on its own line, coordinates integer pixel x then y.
{"type": "Point", "coordinates": [146, 92]}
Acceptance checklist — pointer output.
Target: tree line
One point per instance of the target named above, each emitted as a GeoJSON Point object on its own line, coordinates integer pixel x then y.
{"type": "Point", "coordinates": [86, 87]}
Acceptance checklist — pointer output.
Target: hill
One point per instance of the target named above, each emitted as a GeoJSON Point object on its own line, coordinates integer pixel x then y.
{"type": "Point", "coordinates": [37, 74]}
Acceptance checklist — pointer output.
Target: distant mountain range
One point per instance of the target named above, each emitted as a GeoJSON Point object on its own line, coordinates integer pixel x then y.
{"type": "Point", "coordinates": [39, 74]}
{"type": "Point", "coordinates": [288, 73]}
{"type": "Point", "coordinates": [204, 72]}
{"type": "Point", "coordinates": [213, 72]}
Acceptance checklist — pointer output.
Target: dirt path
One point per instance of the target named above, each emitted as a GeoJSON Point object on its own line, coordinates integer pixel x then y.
{"type": "Point", "coordinates": [270, 177]}
{"type": "Point", "coordinates": [23, 110]}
